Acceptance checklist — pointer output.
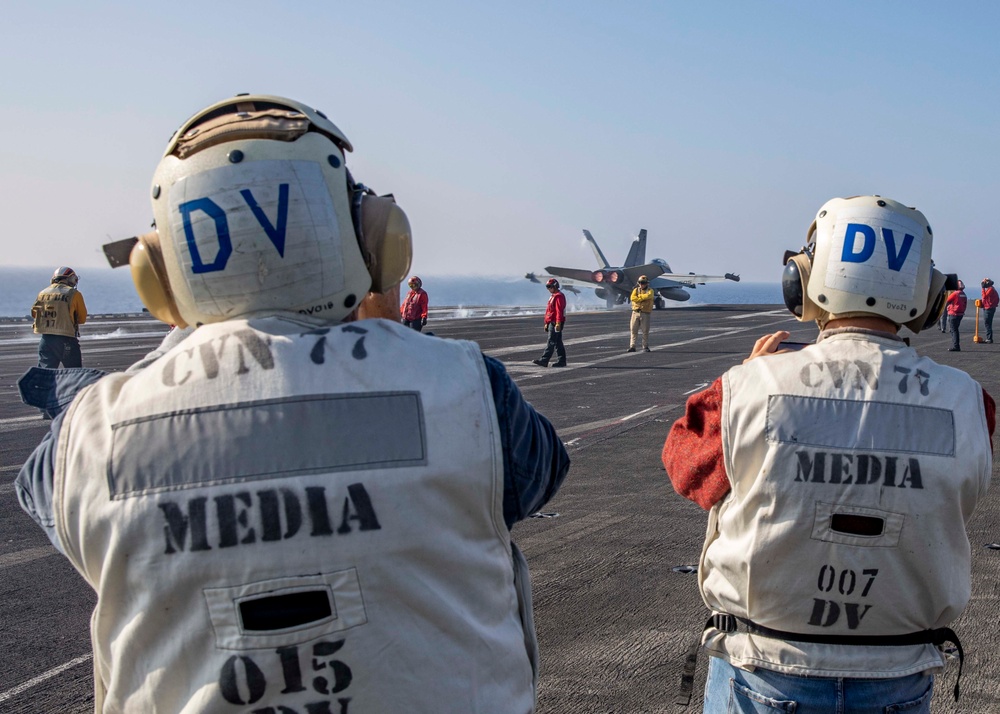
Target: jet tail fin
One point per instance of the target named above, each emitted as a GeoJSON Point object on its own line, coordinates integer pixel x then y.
{"type": "Point", "coordinates": [637, 253]}
{"type": "Point", "coordinates": [602, 261]}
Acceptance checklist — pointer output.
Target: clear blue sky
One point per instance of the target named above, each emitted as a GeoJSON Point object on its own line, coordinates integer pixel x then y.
{"type": "Point", "coordinates": [505, 128]}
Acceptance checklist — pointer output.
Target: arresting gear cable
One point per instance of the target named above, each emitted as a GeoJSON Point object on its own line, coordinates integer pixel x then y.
{"type": "Point", "coordinates": [730, 623]}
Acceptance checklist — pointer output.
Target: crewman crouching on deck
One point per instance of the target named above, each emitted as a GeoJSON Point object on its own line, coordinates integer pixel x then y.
{"type": "Point", "coordinates": [287, 511]}
{"type": "Point", "coordinates": [839, 481]}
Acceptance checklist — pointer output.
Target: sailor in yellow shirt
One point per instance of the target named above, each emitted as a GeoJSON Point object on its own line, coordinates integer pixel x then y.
{"type": "Point", "coordinates": [58, 312]}
{"type": "Point", "coordinates": [642, 307]}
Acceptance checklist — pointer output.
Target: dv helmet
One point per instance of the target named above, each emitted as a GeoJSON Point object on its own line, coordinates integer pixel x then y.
{"type": "Point", "coordinates": [256, 211]}
{"type": "Point", "coordinates": [414, 282]}
{"type": "Point", "coordinates": [865, 255]}
{"type": "Point", "coordinates": [65, 274]}
{"type": "Point", "coordinates": [552, 283]}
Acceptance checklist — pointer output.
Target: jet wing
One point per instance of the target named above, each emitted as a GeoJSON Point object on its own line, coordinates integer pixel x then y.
{"type": "Point", "coordinates": [677, 280]}
{"type": "Point", "coordinates": [572, 273]}
{"type": "Point", "coordinates": [650, 270]}
{"type": "Point", "coordinates": [565, 284]}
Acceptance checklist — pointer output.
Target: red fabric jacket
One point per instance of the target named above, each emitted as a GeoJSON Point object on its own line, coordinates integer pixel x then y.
{"type": "Point", "coordinates": [414, 307]}
{"type": "Point", "coordinates": [555, 311]}
{"type": "Point", "coordinates": [692, 453]}
{"type": "Point", "coordinates": [957, 302]}
{"type": "Point", "coordinates": [990, 297]}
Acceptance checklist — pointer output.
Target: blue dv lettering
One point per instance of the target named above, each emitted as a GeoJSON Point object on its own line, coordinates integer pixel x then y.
{"type": "Point", "coordinates": [276, 234]}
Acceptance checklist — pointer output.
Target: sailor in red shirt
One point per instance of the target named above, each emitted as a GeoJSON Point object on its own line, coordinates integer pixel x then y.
{"type": "Point", "coordinates": [555, 317]}
{"type": "Point", "coordinates": [990, 301]}
{"type": "Point", "coordinates": [956, 311]}
{"type": "Point", "coordinates": [413, 311]}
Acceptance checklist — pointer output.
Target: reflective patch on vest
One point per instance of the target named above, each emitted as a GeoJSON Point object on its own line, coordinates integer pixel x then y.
{"type": "Point", "coordinates": [267, 439]}
{"type": "Point", "coordinates": [855, 425]}
{"type": "Point", "coordinates": [826, 529]}
{"type": "Point", "coordinates": [227, 608]}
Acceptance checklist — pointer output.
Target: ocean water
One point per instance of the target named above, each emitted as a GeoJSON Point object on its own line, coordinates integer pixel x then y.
{"type": "Point", "coordinates": [108, 291]}
{"type": "Point", "coordinates": [104, 290]}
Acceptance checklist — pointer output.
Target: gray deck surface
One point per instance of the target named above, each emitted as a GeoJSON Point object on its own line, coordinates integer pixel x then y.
{"type": "Point", "coordinates": [613, 618]}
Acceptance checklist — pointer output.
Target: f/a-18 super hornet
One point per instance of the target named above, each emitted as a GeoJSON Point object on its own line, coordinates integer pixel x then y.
{"type": "Point", "coordinates": [615, 284]}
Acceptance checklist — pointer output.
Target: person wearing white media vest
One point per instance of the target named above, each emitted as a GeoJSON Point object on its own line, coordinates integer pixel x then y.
{"type": "Point", "coordinates": [273, 517]}
{"type": "Point", "coordinates": [839, 479]}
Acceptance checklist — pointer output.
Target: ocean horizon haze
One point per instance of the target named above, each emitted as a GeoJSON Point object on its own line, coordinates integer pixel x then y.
{"type": "Point", "coordinates": [108, 291]}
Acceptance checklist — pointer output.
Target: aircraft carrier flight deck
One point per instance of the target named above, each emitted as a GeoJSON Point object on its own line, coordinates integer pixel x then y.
{"type": "Point", "coordinates": [615, 608]}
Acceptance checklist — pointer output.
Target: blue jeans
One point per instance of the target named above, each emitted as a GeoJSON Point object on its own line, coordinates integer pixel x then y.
{"type": "Point", "coordinates": [55, 350]}
{"type": "Point", "coordinates": [730, 690]}
{"type": "Point", "coordinates": [953, 322]}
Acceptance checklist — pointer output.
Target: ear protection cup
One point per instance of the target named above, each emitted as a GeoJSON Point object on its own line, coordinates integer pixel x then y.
{"type": "Point", "coordinates": [936, 299]}
{"type": "Point", "coordinates": [385, 241]}
{"type": "Point", "coordinates": [150, 277]}
{"type": "Point", "coordinates": [794, 281]}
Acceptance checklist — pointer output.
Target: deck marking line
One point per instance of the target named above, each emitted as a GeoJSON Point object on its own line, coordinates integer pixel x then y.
{"type": "Point", "coordinates": [18, 420]}
{"type": "Point", "coordinates": [21, 557]}
{"type": "Point", "coordinates": [769, 312]}
{"type": "Point", "coordinates": [626, 418]}
{"type": "Point", "coordinates": [20, 423]}
{"type": "Point", "coordinates": [624, 355]}
{"type": "Point", "coordinates": [623, 335]}
{"type": "Point", "coordinates": [591, 426]}
{"type": "Point", "coordinates": [24, 686]}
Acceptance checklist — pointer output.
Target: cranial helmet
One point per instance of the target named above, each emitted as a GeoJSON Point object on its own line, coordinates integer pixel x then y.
{"type": "Point", "coordinates": [642, 280]}
{"type": "Point", "coordinates": [65, 274]}
{"type": "Point", "coordinates": [552, 283]}
{"type": "Point", "coordinates": [256, 211]}
{"type": "Point", "coordinates": [865, 255]}
{"type": "Point", "coordinates": [415, 282]}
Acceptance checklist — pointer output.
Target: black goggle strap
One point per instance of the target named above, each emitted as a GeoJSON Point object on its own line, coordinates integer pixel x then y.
{"type": "Point", "coordinates": [357, 192]}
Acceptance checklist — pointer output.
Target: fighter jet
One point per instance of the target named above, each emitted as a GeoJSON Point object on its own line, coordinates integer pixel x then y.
{"type": "Point", "coordinates": [615, 284]}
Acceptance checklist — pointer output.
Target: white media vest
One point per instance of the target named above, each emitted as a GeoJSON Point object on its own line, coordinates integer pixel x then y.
{"type": "Point", "coordinates": [855, 465]}
{"type": "Point", "coordinates": [283, 516]}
